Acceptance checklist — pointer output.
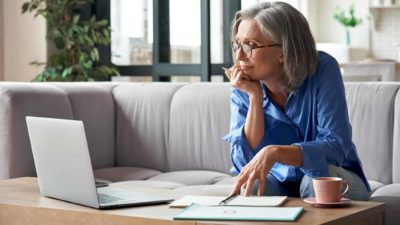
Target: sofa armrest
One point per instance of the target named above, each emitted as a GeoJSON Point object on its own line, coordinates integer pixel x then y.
{"type": "Point", "coordinates": [18, 100]}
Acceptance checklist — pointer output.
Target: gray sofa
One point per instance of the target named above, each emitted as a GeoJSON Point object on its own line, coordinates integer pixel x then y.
{"type": "Point", "coordinates": [169, 135]}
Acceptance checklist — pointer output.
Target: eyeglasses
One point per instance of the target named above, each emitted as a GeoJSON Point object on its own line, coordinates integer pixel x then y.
{"type": "Point", "coordinates": [247, 49]}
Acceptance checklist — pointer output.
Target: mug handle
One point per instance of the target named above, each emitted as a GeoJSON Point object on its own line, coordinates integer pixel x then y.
{"type": "Point", "coordinates": [346, 190]}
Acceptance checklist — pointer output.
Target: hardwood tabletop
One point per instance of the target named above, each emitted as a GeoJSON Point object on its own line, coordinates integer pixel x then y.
{"type": "Point", "coordinates": [21, 203]}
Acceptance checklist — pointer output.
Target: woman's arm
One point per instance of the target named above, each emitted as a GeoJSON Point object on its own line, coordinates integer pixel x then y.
{"type": "Point", "coordinates": [254, 125]}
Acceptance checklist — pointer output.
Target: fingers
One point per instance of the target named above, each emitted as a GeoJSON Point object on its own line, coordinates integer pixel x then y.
{"type": "Point", "coordinates": [236, 188]}
{"type": "Point", "coordinates": [228, 72]}
{"type": "Point", "coordinates": [261, 186]}
{"type": "Point", "coordinates": [234, 74]}
{"type": "Point", "coordinates": [240, 181]}
{"type": "Point", "coordinates": [256, 170]}
{"type": "Point", "coordinates": [238, 78]}
{"type": "Point", "coordinates": [246, 180]}
{"type": "Point", "coordinates": [249, 185]}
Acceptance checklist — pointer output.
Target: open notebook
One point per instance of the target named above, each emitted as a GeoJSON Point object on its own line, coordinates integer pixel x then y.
{"type": "Point", "coordinates": [236, 201]}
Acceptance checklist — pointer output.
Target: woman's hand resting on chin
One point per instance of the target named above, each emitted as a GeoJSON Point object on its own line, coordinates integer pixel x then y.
{"type": "Point", "coordinates": [242, 81]}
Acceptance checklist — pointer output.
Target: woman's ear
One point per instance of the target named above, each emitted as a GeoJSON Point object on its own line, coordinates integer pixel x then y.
{"type": "Point", "coordinates": [281, 59]}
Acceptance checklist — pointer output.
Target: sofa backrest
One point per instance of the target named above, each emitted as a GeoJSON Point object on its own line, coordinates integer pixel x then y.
{"type": "Point", "coordinates": [170, 126]}
{"type": "Point", "coordinates": [92, 103]}
{"type": "Point", "coordinates": [18, 100]}
{"type": "Point", "coordinates": [199, 119]}
{"type": "Point", "coordinates": [142, 124]}
{"type": "Point", "coordinates": [371, 112]}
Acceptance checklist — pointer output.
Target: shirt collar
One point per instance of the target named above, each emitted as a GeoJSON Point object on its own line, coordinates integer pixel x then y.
{"type": "Point", "coordinates": [264, 90]}
{"type": "Point", "coordinates": [274, 111]}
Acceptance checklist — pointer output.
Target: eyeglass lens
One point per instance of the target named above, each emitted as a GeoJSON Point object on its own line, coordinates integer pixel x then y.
{"type": "Point", "coordinates": [245, 48]}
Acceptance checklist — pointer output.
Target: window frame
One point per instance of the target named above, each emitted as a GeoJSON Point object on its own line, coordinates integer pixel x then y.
{"type": "Point", "coordinates": [161, 69]}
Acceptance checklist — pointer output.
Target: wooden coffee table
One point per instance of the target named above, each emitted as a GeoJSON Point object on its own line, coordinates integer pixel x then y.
{"type": "Point", "coordinates": [21, 203]}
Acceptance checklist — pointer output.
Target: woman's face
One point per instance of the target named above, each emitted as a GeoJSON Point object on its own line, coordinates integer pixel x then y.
{"type": "Point", "coordinates": [264, 63]}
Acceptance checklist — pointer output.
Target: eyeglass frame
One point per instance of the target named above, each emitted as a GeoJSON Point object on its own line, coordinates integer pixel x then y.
{"type": "Point", "coordinates": [251, 47]}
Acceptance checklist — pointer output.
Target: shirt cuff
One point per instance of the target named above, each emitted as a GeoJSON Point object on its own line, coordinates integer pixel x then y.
{"type": "Point", "coordinates": [314, 160]}
{"type": "Point", "coordinates": [238, 137]}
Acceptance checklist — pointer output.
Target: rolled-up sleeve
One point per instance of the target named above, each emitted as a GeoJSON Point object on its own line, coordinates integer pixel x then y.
{"type": "Point", "coordinates": [241, 152]}
{"type": "Point", "coordinates": [332, 142]}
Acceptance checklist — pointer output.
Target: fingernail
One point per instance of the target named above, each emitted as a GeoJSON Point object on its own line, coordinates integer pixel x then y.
{"type": "Point", "coordinates": [225, 69]}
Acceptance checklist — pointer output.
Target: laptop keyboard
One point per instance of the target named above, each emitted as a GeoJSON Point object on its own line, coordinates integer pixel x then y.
{"type": "Point", "coordinates": [104, 198]}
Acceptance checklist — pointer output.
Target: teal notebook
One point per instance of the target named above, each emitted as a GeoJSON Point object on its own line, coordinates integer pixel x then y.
{"type": "Point", "coordinates": [239, 213]}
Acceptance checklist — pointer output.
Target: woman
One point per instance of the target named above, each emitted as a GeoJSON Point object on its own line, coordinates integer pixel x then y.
{"type": "Point", "coordinates": [289, 119]}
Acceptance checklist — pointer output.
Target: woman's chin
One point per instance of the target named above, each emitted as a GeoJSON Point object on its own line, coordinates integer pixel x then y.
{"type": "Point", "coordinates": [247, 70]}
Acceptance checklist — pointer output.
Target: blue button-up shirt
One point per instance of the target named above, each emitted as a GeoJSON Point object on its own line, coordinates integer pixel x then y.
{"type": "Point", "coordinates": [315, 118]}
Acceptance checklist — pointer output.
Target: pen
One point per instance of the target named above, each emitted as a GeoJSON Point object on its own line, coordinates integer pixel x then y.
{"type": "Point", "coordinates": [228, 199]}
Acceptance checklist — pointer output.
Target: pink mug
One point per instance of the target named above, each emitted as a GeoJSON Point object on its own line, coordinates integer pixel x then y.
{"type": "Point", "coordinates": [329, 189]}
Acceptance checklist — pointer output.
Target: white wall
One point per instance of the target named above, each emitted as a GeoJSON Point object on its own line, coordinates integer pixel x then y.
{"type": "Point", "coordinates": [327, 30]}
{"type": "Point", "coordinates": [386, 34]}
{"type": "Point", "coordinates": [24, 41]}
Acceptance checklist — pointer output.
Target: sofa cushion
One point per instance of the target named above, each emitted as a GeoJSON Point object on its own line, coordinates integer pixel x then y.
{"type": "Point", "coordinates": [115, 174]}
{"type": "Point", "coordinates": [94, 105]}
{"type": "Point", "coordinates": [199, 118]}
{"type": "Point", "coordinates": [153, 184]}
{"type": "Point", "coordinates": [18, 100]}
{"type": "Point", "coordinates": [390, 194]}
{"type": "Point", "coordinates": [388, 190]}
{"type": "Point", "coordinates": [191, 177]}
{"type": "Point", "coordinates": [142, 124]}
{"type": "Point", "coordinates": [226, 181]}
{"type": "Point", "coordinates": [375, 185]}
{"type": "Point", "coordinates": [371, 107]}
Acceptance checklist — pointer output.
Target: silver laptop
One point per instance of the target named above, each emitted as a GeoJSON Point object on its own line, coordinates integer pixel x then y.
{"type": "Point", "coordinates": [64, 170]}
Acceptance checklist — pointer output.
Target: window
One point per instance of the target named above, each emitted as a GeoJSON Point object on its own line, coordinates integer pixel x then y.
{"type": "Point", "coordinates": [164, 38]}
{"type": "Point", "coordinates": [295, 3]}
{"type": "Point", "coordinates": [185, 37]}
{"type": "Point", "coordinates": [217, 31]}
{"type": "Point", "coordinates": [131, 32]}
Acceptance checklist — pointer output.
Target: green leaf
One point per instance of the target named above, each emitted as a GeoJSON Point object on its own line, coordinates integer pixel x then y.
{"type": "Point", "coordinates": [76, 19]}
{"type": "Point", "coordinates": [347, 21]}
{"type": "Point", "coordinates": [67, 71]}
{"type": "Point", "coordinates": [94, 54]}
{"type": "Point", "coordinates": [37, 63]}
{"type": "Point", "coordinates": [25, 7]}
{"type": "Point", "coordinates": [102, 22]}
{"type": "Point", "coordinates": [75, 38]}
{"type": "Point", "coordinates": [34, 6]}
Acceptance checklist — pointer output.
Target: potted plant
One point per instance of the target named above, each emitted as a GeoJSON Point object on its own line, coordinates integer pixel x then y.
{"type": "Point", "coordinates": [347, 21]}
{"type": "Point", "coordinates": [76, 58]}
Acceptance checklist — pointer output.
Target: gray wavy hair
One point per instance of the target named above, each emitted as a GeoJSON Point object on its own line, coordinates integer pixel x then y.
{"type": "Point", "coordinates": [288, 27]}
